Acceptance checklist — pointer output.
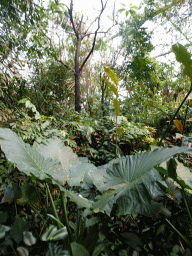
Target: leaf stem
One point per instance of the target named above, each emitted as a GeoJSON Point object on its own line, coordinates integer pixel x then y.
{"type": "Point", "coordinates": [65, 217]}
{"type": "Point", "coordinates": [186, 203]}
{"type": "Point", "coordinates": [53, 206]}
{"type": "Point", "coordinates": [163, 136]}
{"type": "Point", "coordinates": [182, 236]}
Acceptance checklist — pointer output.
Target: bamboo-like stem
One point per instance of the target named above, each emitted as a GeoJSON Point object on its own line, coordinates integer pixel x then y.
{"type": "Point", "coordinates": [65, 217]}
{"type": "Point", "coordinates": [182, 236]}
{"type": "Point", "coordinates": [186, 204]}
{"type": "Point", "coordinates": [53, 206]}
{"type": "Point", "coordinates": [116, 139]}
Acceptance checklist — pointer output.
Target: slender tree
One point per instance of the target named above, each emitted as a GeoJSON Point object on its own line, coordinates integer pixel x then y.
{"type": "Point", "coordinates": [81, 32]}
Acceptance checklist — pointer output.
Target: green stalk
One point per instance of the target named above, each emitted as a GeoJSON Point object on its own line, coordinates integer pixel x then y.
{"type": "Point", "coordinates": [53, 206]}
{"type": "Point", "coordinates": [172, 119]}
{"type": "Point", "coordinates": [65, 217]}
{"type": "Point", "coordinates": [116, 139]}
{"type": "Point", "coordinates": [182, 236]}
{"type": "Point", "coordinates": [186, 203]}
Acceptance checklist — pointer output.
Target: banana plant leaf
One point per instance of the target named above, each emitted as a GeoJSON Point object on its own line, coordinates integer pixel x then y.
{"type": "Point", "coordinates": [132, 182]}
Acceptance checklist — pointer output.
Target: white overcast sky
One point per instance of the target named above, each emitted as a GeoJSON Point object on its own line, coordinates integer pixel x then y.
{"type": "Point", "coordinates": [91, 8]}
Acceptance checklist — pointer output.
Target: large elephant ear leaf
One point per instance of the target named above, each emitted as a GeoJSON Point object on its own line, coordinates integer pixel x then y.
{"type": "Point", "coordinates": [132, 182]}
{"type": "Point", "coordinates": [27, 159]}
{"type": "Point", "coordinates": [73, 167]}
{"type": "Point", "coordinates": [55, 149]}
{"type": "Point", "coordinates": [31, 162]}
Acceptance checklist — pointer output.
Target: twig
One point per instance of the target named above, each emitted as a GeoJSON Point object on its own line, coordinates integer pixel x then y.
{"type": "Point", "coordinates": [175, 115]}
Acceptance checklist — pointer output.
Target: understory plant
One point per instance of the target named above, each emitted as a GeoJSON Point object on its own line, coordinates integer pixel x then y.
{"type": "Point", "coordinates": [125, 186]}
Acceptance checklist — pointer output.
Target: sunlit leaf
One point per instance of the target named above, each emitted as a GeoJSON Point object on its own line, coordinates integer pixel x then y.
{"type": "Point", "coordinates": [120, 130]}
{"type": "Point", "coordinates": [184, 57]}
{"type": "Point", "coordinates": [114, 90]}
{"type": "Point", "coordinates": [117, 106]}
{"type": "Point", "coordinates": [179, 125]}
{"type": "Point", "coordinates": [112, 75]}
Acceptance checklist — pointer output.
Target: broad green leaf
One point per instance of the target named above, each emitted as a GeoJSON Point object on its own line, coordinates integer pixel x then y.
{"type": "Point", "coordinates": [78, 249]}
{"type": "Point", "coordinates": [31, 162]}
{"type": "Point", "coordinates": [78, 172]}
{"type": "Point", "coordinates": [179, 125]}
{"type": "Point", "coordinates": [28, 238]}
{"type": "Point", "coordinates": [184, 57]}
{"type": "Point", "coordinates": [132, 182]}
{"type": "Point", "coordinates": [117, 107]}
{"type": "Point", "coordinates": [112, 75]}
{"type": "Point", "coordinates": [56, 150]}
{"type": "Point", "coordinates": [27, 159]}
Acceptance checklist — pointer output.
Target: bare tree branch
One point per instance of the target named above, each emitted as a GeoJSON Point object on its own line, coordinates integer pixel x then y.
{"type": "Point", "coordinates": [71, 18]}
{"type": "Point", "coordinates": [65, 65]}
{"type": "Point", "coordinates": [94, 40]}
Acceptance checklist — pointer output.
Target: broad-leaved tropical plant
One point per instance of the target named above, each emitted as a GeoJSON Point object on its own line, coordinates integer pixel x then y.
{"type": "Point", "coordinates": [131, 183]}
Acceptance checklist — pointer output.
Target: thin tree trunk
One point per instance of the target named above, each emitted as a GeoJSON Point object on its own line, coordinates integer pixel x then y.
{"type": "Point", "coordinates": [77, 76]}
{"type": "Point", "coordinates": [77, 93]}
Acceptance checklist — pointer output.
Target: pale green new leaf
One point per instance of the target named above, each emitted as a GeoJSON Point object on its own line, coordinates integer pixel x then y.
{"type": "Point", "coordinates": [132, 182]}
{"type": "Point", "coordinates": [114, 90]}
{"type": "Point", "coordinates": [117, 107]}
{"type": "Point", "coordinates": [112, 75]}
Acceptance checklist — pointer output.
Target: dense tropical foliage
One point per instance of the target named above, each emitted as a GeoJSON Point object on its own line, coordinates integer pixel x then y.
{"type": "Point", "coordinates": [95, 135]}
